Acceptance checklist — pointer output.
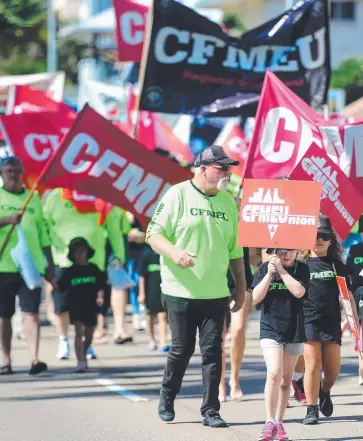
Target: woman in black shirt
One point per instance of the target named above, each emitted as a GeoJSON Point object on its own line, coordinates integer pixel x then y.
{"type": "Point", "coordinates": [279, 285]}
{"type": "Point", "coordinates": [322, 321]}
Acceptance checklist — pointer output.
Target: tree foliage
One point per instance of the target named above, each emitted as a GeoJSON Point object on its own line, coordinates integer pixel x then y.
{"type": "Point", "coordinates": [233, 22]}
{"type": "Point", "coordinates": [21, 24]}
{"type": "Point", "coordinates": [348, 73]}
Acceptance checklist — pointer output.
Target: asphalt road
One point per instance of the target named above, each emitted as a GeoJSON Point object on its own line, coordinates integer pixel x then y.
{"type": "Point", "coordinates": [117, 399]}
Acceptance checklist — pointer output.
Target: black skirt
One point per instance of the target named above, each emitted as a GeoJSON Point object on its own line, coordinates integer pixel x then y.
{"type": "Point", "coordinates": [315, 333]}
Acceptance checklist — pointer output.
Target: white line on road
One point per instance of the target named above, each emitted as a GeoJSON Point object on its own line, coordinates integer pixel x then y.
{"type": "Point", "coordinates": [120, 390]}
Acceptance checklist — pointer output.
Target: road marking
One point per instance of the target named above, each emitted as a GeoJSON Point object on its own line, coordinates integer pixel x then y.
{"type": "Point", "coordinates": [120, 390]}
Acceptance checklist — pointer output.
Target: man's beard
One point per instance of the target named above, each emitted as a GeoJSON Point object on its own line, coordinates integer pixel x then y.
{"type": "Point", "coordinates": [223, 184]}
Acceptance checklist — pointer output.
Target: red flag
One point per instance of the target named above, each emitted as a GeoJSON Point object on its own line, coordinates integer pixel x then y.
{"type": "Point", "coordinates": [340, 200]}
{"type": "Point", "coordinates": [96, 158]}
{"type": "Point", "coordinates": [24, 99]}
{"type": "Point", "coordinates": [286, 127]}
{"type": "Point", "coordinates": [145, 133]}
{"type": "Point", "coordinates": [233, 141]}
{"type": "Point", "coordinates": [167, 140]}
{"type": "Point", "coordinates": [33, 137]}
{"type": "Point", "coordinates": [131, 21]}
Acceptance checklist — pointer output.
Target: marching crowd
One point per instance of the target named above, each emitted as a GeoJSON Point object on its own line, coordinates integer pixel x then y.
{"type": "Point", "coordinates": [187, 272]}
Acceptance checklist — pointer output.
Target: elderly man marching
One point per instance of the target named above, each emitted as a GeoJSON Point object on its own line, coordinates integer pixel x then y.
{"type": "Point", "coordinates": [194, 229]}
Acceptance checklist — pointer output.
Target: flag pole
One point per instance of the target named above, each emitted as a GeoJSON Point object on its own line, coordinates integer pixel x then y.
{"type": "Point", "coordinates": [22, 210]}
{"type": "Point", "coordinates": [144, 56]}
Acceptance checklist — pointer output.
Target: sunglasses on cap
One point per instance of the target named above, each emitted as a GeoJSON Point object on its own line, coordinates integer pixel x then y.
{"type": "Point", "coordinates": [222, 167]}
{"type": "Point", "coordinates": [324, 236]}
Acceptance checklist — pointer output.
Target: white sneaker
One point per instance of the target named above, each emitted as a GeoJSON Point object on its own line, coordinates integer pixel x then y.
{"type": "Point", "coordinates": [360, 381]}
{"type": "Point", "coordinates": [64, 350]}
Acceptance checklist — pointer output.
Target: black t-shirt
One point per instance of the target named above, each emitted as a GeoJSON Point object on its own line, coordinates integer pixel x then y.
{"type": "Point", "coordinates": [282, 316]}
{"type": "Point", "coordinates": [82, 282]}
{"type": "Point", "coordinates": [149, 268]}
{"type": "Point", "coordinates": [355, 265]}
{"type": "Point", "coordinates": [321, 305]}
{"type": "Point", "coordinates": [135, 250]}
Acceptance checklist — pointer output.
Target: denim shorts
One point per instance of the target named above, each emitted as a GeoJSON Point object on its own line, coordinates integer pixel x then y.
{"type": "Point", "coordinates": [296, 349]}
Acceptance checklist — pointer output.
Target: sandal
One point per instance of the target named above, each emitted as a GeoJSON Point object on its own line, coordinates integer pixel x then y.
{"type": "Point", "coordinates": [121, 341]}
{"type": "Point", "coordinates": [6, 370]}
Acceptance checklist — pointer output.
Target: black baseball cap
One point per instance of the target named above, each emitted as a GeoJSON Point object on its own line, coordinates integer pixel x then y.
{"type": "Point", "coordinates": [278, 250]}
{"type": "Point", "coordinates": [11, 160]}
{"type": "Point", "coordinates": [324, 225]}
{"type": "Point", "coordinates": [214, 154]}
{"type": "Point", "coordinates": [79, 241]}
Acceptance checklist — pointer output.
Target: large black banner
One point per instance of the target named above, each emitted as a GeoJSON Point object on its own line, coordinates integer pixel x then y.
{"type": "Point", "coordinates": [192, 62]}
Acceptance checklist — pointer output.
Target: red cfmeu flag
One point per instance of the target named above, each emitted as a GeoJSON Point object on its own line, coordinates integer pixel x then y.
{"type": "Point", "coordinates": [286, 127]}
{"type": "Point", "coordinates": [33, 137]}
{"type": "Point", "coordinates": [97, 158]}
{"type": "Point", "coordinates": [340, 200]}
{"type": "Point", "coordinates": [23, 99]}
{"type": "Point", "coordinates": [131, 18]}
{"type": "Point", "coordinates": [233, 141]}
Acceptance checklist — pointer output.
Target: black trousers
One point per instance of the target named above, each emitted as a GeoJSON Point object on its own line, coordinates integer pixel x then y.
{"type": "Point", "coordinates": [185, 317]}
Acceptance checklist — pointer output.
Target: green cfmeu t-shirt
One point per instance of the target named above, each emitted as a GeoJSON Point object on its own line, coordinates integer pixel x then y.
{"type": "Point", "coordinates": [203, 225]}
{"type": "Point", "coordinates": [65, 223]}
{"type": "Point", "coordinates": [33, 224]}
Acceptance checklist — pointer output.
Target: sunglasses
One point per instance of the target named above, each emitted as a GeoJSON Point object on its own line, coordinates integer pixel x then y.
{"type": "Point", "coordinates": [222, 167]}
{"type": "Point", "coordinates": [324, 236]}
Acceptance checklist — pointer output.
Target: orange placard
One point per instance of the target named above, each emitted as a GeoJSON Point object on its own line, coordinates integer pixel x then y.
{"type": "Point", "coordinates": [344, 294]}
{"type": "Point", "coordinates": [279, 214]}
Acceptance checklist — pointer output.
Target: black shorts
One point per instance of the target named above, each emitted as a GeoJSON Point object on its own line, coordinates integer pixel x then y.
{"type": "Point", "coordinates": [85, 314]}
{"type": "Point", "coordinates": [314, 333]}
{"type": "Point", "coordinates": [83, 308]}
{"type": "Point", "coordinates": [153, 302]}
{"type": "Point", "coordinates": [11, 285]}
{"type": "Point", "coordinates": [60, 298]}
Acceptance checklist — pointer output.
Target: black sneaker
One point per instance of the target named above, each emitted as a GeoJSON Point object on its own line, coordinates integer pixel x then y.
{"type": "Point", "coordinates": [325, 403]}
{"type": "Point", "coordinates": [312, 416]}
{"type": "Point", "coordinates": [166, 407]}
{"type": "Point", "coordinates": [213, 419]}
{"type": "Point", "coordinates": [37, 367]}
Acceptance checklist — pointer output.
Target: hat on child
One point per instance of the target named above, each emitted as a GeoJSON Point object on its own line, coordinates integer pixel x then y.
{"type": "Point", "coordinates": [79, 241]}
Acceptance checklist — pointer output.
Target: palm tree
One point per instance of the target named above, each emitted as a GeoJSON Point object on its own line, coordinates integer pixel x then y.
{"type": "Point", "coordinates": [21, 24]}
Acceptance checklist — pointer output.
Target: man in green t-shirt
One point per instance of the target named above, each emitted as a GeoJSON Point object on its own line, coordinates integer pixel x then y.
{"type": "Point", "coordinates": [12, 198]}
{"type": "Point", "coordinates": [194, 229]}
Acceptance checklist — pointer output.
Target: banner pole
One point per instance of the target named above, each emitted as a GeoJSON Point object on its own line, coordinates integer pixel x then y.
{"type": "Point", "coordinates": [144, 56]}
{"type": "Point", "coordinates": [22, 210]}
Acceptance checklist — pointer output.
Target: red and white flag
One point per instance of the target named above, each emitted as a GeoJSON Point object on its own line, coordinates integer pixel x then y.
{"type": "Point", "coordinates": [33, 137]}
{"type": "Point", "coordinates": [53, 83]}
{"type": "Point", "coordinates": [98, 159]}
{"type": "Point", "coordinates": [131, 18]}
{"type": "Point", "coordinates": [233, 140]}
{"type": "Point", "coordinates": [23, 99]}
{"type": "Point", "coordinates": [340, 200]}
{"type": "Point", "coordinates": [286, 127]}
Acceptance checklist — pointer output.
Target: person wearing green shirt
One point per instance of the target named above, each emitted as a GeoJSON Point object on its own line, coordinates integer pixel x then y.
{"type": "Point", "coordinates": [12, 198]}
{"type": "Point", "coordinates": [194, 229]}
{"type": "Point", "coordinates": [65, 223]}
